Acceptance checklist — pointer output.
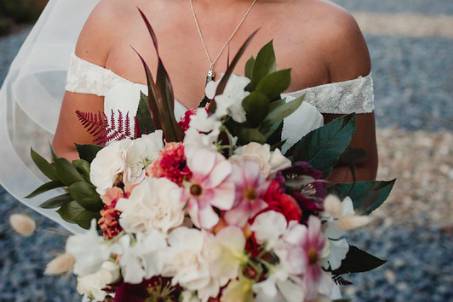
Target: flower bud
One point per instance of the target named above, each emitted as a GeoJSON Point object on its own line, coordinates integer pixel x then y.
{"type": "Point", "coordinates": [60, 265]}
{"type": "Point", "coordinates": [22, 224]}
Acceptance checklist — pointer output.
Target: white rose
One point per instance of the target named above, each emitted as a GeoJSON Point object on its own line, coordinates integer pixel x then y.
{"type": "Point", "coordinates": [156, 203]}
{"type": "Point", "coordinates": [269, 161]}
{"type": "Point", "coordinates": [140, 154]}
{"type": "Point", "coordinates": [89, 250]}
{"type": "Point", "coordinates": [109, 162]}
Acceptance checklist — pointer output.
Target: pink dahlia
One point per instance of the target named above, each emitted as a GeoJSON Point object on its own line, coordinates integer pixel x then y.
{"type": "Point", "coordinates": [209, 187]}
{"type": "Point", "coordinates": [171, 164]}
{"type": "Point", "coordinates": [251, 187]}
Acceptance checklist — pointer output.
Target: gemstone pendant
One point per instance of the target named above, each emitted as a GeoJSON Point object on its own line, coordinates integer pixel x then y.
{"type": "Point", "coordinates": [210, 76]}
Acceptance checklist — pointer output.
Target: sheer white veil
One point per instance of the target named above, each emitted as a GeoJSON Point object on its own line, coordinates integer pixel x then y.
{"type": "Point", "coordinates": [31, 96]}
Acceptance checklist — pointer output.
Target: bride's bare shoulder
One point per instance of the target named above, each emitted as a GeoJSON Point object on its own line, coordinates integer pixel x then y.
{"type": "Point", "coordinates": [339, 37]}
{"type": "Point", "coordinates": [106, 24]}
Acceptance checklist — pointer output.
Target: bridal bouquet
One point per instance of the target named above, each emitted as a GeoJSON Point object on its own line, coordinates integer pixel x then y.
{"type": "Point", "coordinates": [213, 207]}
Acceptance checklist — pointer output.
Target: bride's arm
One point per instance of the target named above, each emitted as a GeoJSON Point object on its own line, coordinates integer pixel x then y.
{"type": "Point", "coordinates": [348, 59]}
{"type": "Point", "coordinates": [93, 45]}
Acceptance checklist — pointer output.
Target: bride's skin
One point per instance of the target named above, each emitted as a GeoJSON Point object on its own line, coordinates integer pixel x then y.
{"type": "Point", "coordinates": [318, 40]}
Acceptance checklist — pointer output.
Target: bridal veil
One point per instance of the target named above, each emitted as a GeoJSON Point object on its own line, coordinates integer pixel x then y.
{"type": "Point", "coordinates": [31, 95]}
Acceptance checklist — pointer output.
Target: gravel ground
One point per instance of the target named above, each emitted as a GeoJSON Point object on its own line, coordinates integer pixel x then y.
{"type": "Point", "coordinates": [414, 231]}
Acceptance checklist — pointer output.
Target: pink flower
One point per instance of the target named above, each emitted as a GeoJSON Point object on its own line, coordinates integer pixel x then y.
{"type": "Point", "coordinates": [210, 186]}
{"type": "Point", "coordinates": [251, 187]}
{"type": "Point", "coordinates": [305, 254]}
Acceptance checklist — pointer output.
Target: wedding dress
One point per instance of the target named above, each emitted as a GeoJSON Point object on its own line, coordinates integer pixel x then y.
{"type": "Point", "coordinates": [31, 96]}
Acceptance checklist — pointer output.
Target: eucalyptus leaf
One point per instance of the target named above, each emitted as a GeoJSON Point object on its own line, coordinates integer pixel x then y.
{"type": "Point", "coordinates": [66, 172]}
{"type": "Point", "coordinates": [88, 152]}
{"type": "Point", "coordinates": [45, 187]}
{"type": "Point", "coordinates": [366, 196]}
{"type": "Point", "coordinates": [274, 84]}
{"type": "Point", "coordinates": [248, 135]}
{"type": "Point", "coordinates": [265, 63]}
{"type": "Point", "coordinates": [85, 194]}
{"type": "Point", "coordinates": [56, 201]}
{"type": "Point", "coordinates": [44, 166]}
{"type": "Point", "coordinates": [256, 106]}
{"type": "Point", "coordinates": [323, 147]}
{"type": "Point", "coordinates": [73, 212]}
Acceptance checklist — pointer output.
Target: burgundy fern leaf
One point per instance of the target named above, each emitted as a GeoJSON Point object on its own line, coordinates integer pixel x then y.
{"type": "Point", "coordinates": [103, 131]}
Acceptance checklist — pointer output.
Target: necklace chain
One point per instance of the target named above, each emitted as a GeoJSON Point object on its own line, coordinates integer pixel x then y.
{"type": "Point", "coordinates": [213, 62]}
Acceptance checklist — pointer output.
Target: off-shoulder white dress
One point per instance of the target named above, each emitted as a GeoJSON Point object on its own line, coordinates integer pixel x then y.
{"type": "Point", "coordinates": [354, 96]}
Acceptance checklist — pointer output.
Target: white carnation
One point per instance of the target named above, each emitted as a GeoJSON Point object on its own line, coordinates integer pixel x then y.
{"type": "Point", "coordinates": [156, 203]}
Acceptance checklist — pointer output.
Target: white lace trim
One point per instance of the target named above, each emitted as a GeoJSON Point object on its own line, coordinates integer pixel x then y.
{"type": "Point", "coordinates": [354, 96]}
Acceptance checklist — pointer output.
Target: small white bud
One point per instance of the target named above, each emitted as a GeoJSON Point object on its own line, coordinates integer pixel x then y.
{"type": "Point", "coordinates": [60, 265]}
{"type": "Point", "coordinates": [22, 224]}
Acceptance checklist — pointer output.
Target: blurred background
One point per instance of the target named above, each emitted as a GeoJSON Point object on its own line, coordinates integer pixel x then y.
{"type": "Point", "coordinates": [411, 44]}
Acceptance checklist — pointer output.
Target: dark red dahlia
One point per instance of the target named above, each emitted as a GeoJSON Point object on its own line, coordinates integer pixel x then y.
{"type": "Point", "coordinates": [184, 122]}
{"type": "Point", "coordinates": [171, 164]}
{"type": "Point", "coordinates": [154, 289]}
{"type": "Point", "coordinates": [280, 202]}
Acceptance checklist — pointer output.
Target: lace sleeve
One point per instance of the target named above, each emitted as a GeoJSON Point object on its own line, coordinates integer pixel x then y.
{"type": "Point", "coordinates": [354, 96]}
{"type": "Point", "coordinates": [89, 78]}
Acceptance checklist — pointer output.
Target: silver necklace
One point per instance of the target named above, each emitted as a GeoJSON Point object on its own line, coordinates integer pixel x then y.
{"type": "Point", "coordinates": [212, 62]}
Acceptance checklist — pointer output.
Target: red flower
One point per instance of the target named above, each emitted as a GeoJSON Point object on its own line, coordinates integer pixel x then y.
{"type": "Point", "coordinates": [109, 222]}
{"type": "Point", "coordinates": [171, 164]}
{"type": "Point", "coordinates": [184, 122]}
{"type": "Point", "coordinates": [280, 202]}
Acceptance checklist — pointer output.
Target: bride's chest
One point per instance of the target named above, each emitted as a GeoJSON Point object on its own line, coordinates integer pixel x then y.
{"type": "Point", "coordinates": [187, 63]}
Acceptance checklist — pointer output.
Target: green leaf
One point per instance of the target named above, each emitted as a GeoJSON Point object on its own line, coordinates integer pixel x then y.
{"type": "Point", "coordinates": [45, 187]}
{"type": "Point", "coordinates": [88, 152]}
{"type": "Point", "coordinates": [256, 106]}
{"type": "Point", "coordinates": [85, 195]}
{"type": "Point", "coordinates": [366, 196]}
{"type": "Point", "coordinates": [323, 147]}
{"type": "Point", "coordinates": [274, 84]}
{"type": "Point", "coordinates": [73, 212]}
{"type": "Point", "coordinates": [66, 172]}
{"type": "Point", "coordinates": [249, 66]}
{"type": "Point", "coordinates": [83, 167]}
{"type": "Point", "coordinates": [358, 261]}
{"type": "Point", "coordinates": [248, 135]}
{"type": "Point", "coordinates": [144, 119]}
{"type": "Point", "coordinates": [56, 201]}
{"type": "Point", "coordinates": [44, 166]}
{"type": "Point", "coordinates": [265, 63]}
{"type": "Point", "coordinates": [278, 114]}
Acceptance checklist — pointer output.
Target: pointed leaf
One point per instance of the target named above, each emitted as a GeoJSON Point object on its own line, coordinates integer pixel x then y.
{"type": "Point", "coordinates": [66, 172]}
{"type": "Point", "coordinates": [256, 106]}
{"type": "Point", "coordinates": [358, 261]}
{"type": "Point", "coordinates": [144, 117]}
{"type": "Point", "coordinates": [278, 114]}
{"type": "Point", "coordinates": [44, 166]}
{"type": "Point", "coordinates": [274, 84]}
{"type": "Point", "coordinates": [56, 201]}
{"type": "Point", "coordinates": [249, 66]}
{"type": "Point", "coordinates": [83, 167]}
{"type": "Point", "coordinates": [323, 147]}
{"type": "Point", "coordinates": [265, 63]}
{"type": "Point", "coordinates": [86, 196]}
{"type": "Point", "coordinates": [88, 152]}
{"type": "Point", "coordinates": [367, 196]}
{"type": "Point", "coordinates": [232, 66]}
{"type": "Point", "coordinates": [248, 135]}
{"type": "Point", "coordinates": [73, 212]}
{"type": "Point", "coordinates": [45, 187]}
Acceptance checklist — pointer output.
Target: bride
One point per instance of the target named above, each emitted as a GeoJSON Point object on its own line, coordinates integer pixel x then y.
{"type": "Point", "coordinates": [318, 40]}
